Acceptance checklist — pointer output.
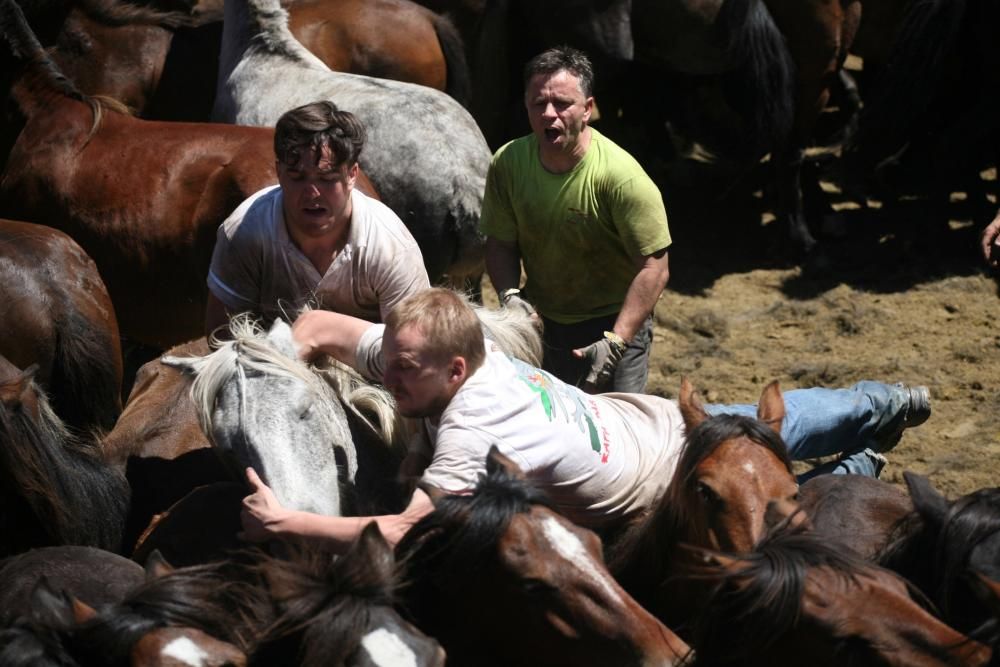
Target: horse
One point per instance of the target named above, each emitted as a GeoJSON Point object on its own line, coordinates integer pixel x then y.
{"type": "Point", "coordinates": [298, 431]}
{"type": "Point", "coordinates": [56, 313]}
{"type": "Point", "coordinates": [941, 543]}
{"type": "Point", "coordinates": [389, 39]}
{"type": "Point", "coordinates": [95, 575]}
{"type": "Point", "coordinates": [780, 61]}
{"type": "Point", "coordinates": [54, 488]}
{"type": "Point", "coordinates": [730, 469]}
{"type": "Point", "coordinates": [339, 610]}
{"type": "Point", "coordinates": [481, 569]}
{"type": "Point", "coordinates": [264, 71]}
{"type": "Point", "coordinates": [158, 443]}
{"type": "Point", "coordinates": [931, 105]}
{"type": "Point", "coordinates": [188, 614]}
{"type": "Point", "coordinates": [795, 599]}
{"type": "Point", "coordinates": [854, 511]}
{"type": "Point", "coordinates": [68, 160]}
{"type": "Point", "coordinates": [321, 437]}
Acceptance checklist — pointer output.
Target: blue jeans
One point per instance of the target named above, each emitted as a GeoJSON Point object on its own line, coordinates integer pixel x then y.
{"type": "Point", "coordinates": [824, 422]}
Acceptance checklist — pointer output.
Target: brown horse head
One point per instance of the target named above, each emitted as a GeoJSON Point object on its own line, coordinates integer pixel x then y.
{"type": "Point", "coordinates": [501, 579]}
{"type": "Point", "coordinates": [796, 600]}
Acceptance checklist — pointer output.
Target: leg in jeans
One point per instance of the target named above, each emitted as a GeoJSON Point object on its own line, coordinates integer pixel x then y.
{"type": "Point", "coordinates": [824, 422]}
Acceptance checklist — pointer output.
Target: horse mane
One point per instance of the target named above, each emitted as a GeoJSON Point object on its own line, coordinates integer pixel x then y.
{"type": "Point", "coordinates": [26, 643]}
{"type": "Point", "coordinates": [938, 556]}
{"type": "Point", "coordinates": [272, 34]}
{"type": "Point", "coordinates": [28, 51]}
{"type": "Point", "coordinates": [760, 600]}
{"type": "Point", "coordinates": [117, 13]}
{"type": "Point", "coordinates": [325, 603]}
{"type": "Point", "coordinates": [205, 597]}
{"type": "Point", "coordinates": [459, 535]}
{"type": "Point", "coordinates": [62, 480]}
{"type": "Point", "coordinates": [513, 330]}
{"type": "Point", "coordinates": [642, 549]}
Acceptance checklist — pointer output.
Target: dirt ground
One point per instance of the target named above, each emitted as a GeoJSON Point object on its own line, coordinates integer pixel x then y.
{"type": "Point", "coordinates": [899, 298]}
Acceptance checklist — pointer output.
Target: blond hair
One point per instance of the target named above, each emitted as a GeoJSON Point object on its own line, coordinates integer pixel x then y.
{"type": "Point", "coordinates": [448, 322]}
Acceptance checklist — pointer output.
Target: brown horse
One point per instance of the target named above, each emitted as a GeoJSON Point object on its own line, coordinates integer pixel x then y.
{"type": "Point", "coordinates": [795, 600]}
{"type": "Point", "coordinates": [146, 211]}
{"type": "Point", "coordinates": [159, 445]}
{"type": "Point", "coordinates": [500, 579]}
{"type": "Point", "coordinates": [730, 470]}
{"type": "Point", "coordinates": [55, 489]}
{"type": "Point", "coordinates": [163, 65]}
{"type": "Point", "coordinates": [56, 313]}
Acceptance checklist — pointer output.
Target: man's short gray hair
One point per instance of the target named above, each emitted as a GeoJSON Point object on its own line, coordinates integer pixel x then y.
{"type": "Point", "coordinates": [561, 58]}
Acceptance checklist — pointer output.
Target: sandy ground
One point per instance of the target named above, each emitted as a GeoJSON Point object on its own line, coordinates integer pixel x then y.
{"type": "Point", "coordinates": [901, 298]}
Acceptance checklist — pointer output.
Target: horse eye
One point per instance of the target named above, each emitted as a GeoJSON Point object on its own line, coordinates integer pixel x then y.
{"type": "Point", "coordinates": [708, 494]}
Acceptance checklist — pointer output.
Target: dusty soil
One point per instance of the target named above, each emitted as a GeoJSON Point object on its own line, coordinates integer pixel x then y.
{"type": "Point", "coordinates": [898, 297]}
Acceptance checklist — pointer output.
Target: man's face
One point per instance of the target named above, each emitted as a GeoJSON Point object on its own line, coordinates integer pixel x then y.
{"type": "Point", "coordinates": [317, 195]}
{"type": "Point", "coordinates": [557, 110]}
{"type": "Point", "coordinates": [421, 384]}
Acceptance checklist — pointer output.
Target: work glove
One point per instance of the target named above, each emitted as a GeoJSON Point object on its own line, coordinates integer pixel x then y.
{"type": "Point", "coordinates": [604, 356]}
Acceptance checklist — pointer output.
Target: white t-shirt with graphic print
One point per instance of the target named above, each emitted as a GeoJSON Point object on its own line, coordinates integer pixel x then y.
{"type": "Point", "coordinates": [600, 458]}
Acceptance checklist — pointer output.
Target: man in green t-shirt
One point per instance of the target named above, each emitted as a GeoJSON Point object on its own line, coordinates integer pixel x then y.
{"type": "Point", "coordinates": [589, 225]}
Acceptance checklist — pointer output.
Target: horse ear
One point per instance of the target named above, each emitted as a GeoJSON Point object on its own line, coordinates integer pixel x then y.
{"type": "Point", "coordinates": [496, 461]}
{"type": "Point", "coordinates": [771, 407]}
{"type": "Point", "coordinates": [373, 550]}
{"type": "Point", "coordinates": [187, 365]}
{"type": "Point", "coordinates": [932, 506]}
{"type": "Point", "coordinates": [690, 405]}
{"type": "Point", "coordinates": [157, 566]}
{"type": "Point", "coordinates": [50, 607]}
{"type": "Point", "coordinates": [15, 391]}
{"type": "Point", "coordinates": [82, 612]}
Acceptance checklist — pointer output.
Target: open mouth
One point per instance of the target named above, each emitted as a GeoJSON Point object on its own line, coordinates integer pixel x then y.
{"type": "Point", "coordinates": [552, 134]}
{"type": "Point", "coordinates": [314, 211]}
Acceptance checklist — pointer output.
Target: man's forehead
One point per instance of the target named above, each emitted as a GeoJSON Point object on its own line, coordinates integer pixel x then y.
{"type": "Point", "coordinates": [320, 157]}
{"type": "Point", "coordinates": [561, 83]}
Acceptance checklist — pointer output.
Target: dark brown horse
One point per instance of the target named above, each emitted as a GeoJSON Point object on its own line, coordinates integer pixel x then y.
{"type": "Point", "coordinates": [56, 313]}
{"type": "Point", "coordinates": [147, 211]}
{"type": "Point", "coordinates": [500, 579]}
{"type": "Point", "coordinates": [730, 470]}
{"type": "Point", "coordinates": [796, 600]}
{"type": "Point", "coordinates": [54, 489]}
{"type": "Point", "coordinates": [942, 544]}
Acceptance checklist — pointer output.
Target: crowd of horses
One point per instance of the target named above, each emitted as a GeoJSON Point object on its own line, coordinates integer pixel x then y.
{"type": "Point", "coordinates": [128, 136]}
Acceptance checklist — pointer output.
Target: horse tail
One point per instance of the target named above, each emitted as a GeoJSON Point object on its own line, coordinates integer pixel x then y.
{"type": "Point", "coordinates": [763, 83]}
{"type": "Point", "coordinates": [459, 82]}
{"type": "Point", "coordinates": [87, 375]}
{"type": "Point", "coordinates": [115, 13]}
{"type": "Point", "coordinates": [913, 73]}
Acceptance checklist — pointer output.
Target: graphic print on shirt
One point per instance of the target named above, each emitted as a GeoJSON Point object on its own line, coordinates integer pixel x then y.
{"type": "Point", "coordinates": [556, 398]}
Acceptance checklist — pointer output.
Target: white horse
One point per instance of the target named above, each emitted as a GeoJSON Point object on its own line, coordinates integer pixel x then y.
{"type": "Point", "coordinates": [425, 154]}
{"type": "Point", "coordinates": [325, 440]}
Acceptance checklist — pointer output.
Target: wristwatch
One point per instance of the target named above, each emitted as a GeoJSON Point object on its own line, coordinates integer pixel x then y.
{"type": "Point", "coordinates": [507, 293]}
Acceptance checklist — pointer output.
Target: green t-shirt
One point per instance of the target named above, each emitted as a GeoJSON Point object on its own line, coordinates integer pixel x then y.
{"type": "Point", "coordinates": [580, 233]}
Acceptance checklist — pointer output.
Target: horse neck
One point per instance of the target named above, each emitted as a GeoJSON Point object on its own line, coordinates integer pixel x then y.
{"type": "Point", "coordinates": [257, 25]}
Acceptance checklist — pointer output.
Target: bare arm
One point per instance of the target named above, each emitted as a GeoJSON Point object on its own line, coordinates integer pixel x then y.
{"type": "Point", "coordinates": [642, 294]}
{"type": "Point", "coordinates": [503, 263]}
{"type": "Point", "coordinates": [264, 518]}
{"type": "Point", "coordinates": [324, 332]}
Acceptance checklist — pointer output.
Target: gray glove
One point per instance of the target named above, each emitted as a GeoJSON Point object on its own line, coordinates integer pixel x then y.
{"type": "Point", "coordinates": [603, 356]}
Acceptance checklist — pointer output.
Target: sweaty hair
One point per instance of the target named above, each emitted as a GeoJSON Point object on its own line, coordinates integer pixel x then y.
{"type": "Point", "coordinates": [447, 321]}
{"type": "Point", "coordinates": [314, 126]}
{"type": "Point", "coordinates": [560, 58]}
